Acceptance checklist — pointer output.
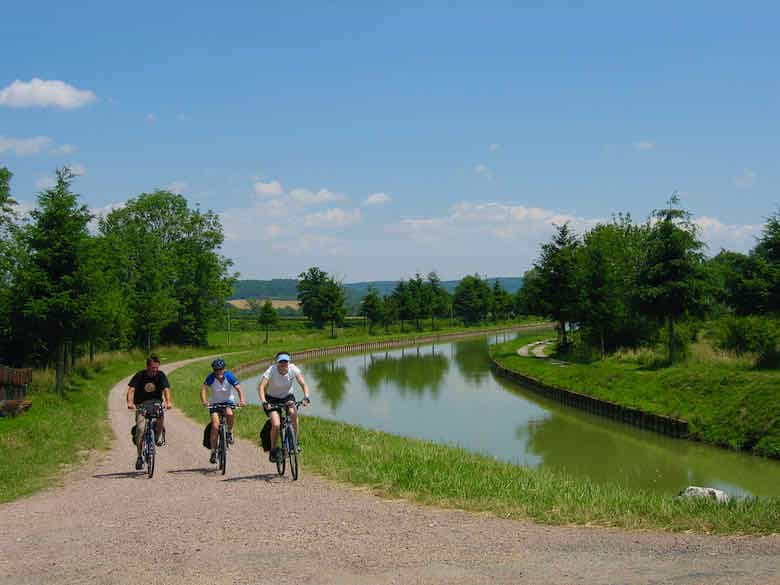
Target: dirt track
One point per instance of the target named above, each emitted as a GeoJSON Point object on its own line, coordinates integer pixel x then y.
{"type": "Point", "coordinates": [188, 525]}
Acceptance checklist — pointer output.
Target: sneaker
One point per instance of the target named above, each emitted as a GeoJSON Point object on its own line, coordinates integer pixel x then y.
{"type": "Point", "coordinates": [275, 455]}
{"type": "Point", "coordinates": [213, 458]}
{"type": "Point", "coordinates": [230, 438]}
{"type": "Point", "coordinates": [139, 463]}
{"type": "Point", "coordinates": [161, 439]}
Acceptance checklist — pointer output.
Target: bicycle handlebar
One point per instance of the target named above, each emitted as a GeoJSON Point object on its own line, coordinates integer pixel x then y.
{"type": "Point", "coordinates": [223, 405]}
{"type": "Point", "coordinates": [279, 407]}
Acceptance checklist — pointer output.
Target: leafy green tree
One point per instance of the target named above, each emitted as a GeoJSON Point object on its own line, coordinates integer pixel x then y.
{"type": "Point", "coordinates": [333, 304]}
{"type": "Point", "coordinates": [267, 317]}
{"type": "Point", "coordinates": [557, 272]}
{"type": "Point", "coordinates": [371, 308]}
{"type": "Point", "coordinates": [390, 312]}
{"type": "Point", "coordinates": [421, 300]}
{"type": "Point", "coordinates": [440, 300]}
{"type": "Point", "coordinates": [472, 298]}
{"type": "Point", "coordinates": [530, 299]}
{"type": "Point", "coordinates": [8, 254]}
{"type": "Point", "coordinates": [743, 283]}
{"type": "Point", "coordinates": [502, 302]}
{"type": "Point", "coordinates": [671, 279]}
{"type": "Point", "coordinates": [310, 285]}
{"type": "Point", "coordinates": [50, 299]}
{"type": "Point", "coordinates": [406, 303]}
{"type": "Point", "coordinates": [768, 249]}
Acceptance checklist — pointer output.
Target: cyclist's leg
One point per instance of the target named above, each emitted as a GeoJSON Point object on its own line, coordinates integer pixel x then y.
{"type": "Point", "coordinates": [159, 427]}
{"type": "Point", "coordinates": [214, 429]}
{"type": "Point", "coordinates": [140, 429]}
{"type": "Point", "coordinates": [229, 420]}
{"type": "Point", "coordinates": [293, 414]}
{"type": "Point", "coordinates": [276, 423]}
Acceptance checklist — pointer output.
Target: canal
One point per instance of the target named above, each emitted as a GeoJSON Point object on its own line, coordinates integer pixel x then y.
{"type": "Point", "coordinates": [448, 394]}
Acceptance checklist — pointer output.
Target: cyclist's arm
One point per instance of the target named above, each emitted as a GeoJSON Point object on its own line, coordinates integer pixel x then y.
{"type": "Point", "coordinates": [130, 398]}
{"type": "Point", "coordinates": [167, 397]}
{"type": "Point", "coordinates": [241, 400]}
{"type": "Point", "coordinates": [261, 389]}
{"type": "Point", "coordinates": [203, 399]}
{"type": "Point", "coordinates": [302, 384]}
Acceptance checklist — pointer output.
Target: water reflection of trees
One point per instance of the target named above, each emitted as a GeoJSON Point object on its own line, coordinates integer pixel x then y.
{"type": "Point", "coordinates": [414, 371]}
{"type": "Point", "coordinates": [331, 380]}
{"type": "Point", "coordinates": [472, 359]}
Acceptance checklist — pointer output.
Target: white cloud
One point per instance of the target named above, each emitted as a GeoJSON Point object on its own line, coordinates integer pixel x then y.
{"type": "Point", "coordinates": [65, 149]}
{"type": "Point", "coordinates": [483, 171]}
{"type": "Point", "coordinates": [306, 197]}
{"type": "Point", "coordinates": [25, 146]}
{"type": "Point", "coordinates": [376, 199]}
{"type": "Point", "coordinates": [717, 235]}
{"type": "Point", "coordinates": [746, 180]}
{"type": "Point", "coordinates": [43, 93]}
{"type": "Point", "coordinates": [44, 183]}
{"type": "Point", "coordinates": [273, 189]}
{"type": "Point", "coordinates": [494, 147]}
{"type": "Point", "coordinates": [644, 145]}
{"type": "Point", "coordinates": [178, 187]}
{"type": "Point", "coordinates": [78, 169]}
{"type": "Point", "coordinates": [332, 218]}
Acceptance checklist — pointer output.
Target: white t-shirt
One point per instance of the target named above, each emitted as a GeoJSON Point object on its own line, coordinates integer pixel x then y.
{"type": "Point", "coordinates": [280, 386]}
{"type": "Point", "coordinates": [222, 391]}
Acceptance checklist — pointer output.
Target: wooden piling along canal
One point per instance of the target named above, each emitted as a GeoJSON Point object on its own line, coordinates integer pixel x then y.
{"type": "Point", "coordinates": [664, 425]}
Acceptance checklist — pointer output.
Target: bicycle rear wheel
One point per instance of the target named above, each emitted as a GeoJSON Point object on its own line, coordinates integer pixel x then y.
{"type": "Point", "coordinates": [222, 449]}
{"type": "Point", "coordinates": [280, 458]}
{"type": "Point", "coordinates": [292, 451]}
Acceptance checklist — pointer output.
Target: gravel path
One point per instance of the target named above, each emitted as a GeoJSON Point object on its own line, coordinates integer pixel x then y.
{"type": "Point", "coordinates": [189, 525]}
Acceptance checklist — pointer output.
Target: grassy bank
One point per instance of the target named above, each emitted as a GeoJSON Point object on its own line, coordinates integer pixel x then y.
{"type": "Point", "coordinates": [392, 466]}
{"type": "Point", "coordinates": [725, 401]}
{"type": "Point", "coordinates": [36, 447]}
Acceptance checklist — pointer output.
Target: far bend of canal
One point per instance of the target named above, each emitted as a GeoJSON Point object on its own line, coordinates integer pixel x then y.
{"type": "Point", "coordinates": [447, 393]}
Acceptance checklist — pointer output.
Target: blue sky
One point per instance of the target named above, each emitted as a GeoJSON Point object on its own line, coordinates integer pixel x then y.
{"type": "Point", "coordinates": [376, 140]}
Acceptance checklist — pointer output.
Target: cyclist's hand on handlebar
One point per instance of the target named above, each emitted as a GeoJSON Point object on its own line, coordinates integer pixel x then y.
{"type": "Point", "coordinates": [205, 403]}
{"type": "Point", "coordinates": [266, 406]}
{"type": "Point", "coordinates": [306, 400]}
{"type": "Point", "coordinates": [169, 405]}
{"type": "Point", "coordinates": [242, 402]}
{"type": "Point", "coordinates": [130, 406]}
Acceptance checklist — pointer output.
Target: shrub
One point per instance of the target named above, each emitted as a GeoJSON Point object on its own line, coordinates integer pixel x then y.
{"type": "Point", "coordinates": [756, 335]}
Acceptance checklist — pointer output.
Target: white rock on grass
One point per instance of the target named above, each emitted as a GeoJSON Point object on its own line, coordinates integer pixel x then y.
{"type": "Point", "coordinates": [693, 491]}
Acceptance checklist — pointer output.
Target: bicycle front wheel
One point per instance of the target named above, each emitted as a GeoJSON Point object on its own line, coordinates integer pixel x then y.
{"type": "Point", "coordinates": [222, 449]}
{"type": "Point", "coordinates": [292, 451]}
{"type": "Point", "coordinates": [150, 453]}
{"type": "Point", "coordinates": [280, 458]}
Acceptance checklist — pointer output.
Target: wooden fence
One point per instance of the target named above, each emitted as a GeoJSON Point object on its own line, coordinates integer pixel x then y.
{"type": "Point", "coordinates": [13, 389]}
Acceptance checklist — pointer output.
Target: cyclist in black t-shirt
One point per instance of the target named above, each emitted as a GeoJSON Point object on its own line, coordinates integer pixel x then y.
{"type": "Point", "coordinates": [148, 384]}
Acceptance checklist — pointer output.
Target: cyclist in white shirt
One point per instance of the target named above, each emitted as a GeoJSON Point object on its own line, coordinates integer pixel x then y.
{"type": "Point", "coordinates": [275, 388]}
{"type": "Point", "coordinates": [224, 386]}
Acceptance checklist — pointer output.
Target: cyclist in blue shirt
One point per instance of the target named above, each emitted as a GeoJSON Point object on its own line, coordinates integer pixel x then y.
{"type": "Point", "coordinates": [224, 386]}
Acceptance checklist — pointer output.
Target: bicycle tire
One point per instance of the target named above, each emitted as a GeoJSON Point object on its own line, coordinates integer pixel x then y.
{"type": "Point", "coordinates": [281, 461]}
{"type": "Point", "coordinates": [292, 451]}
{"type": "Point", "coordinates": [150, 451]}
{"type": "Point", "coordinates": [222, 449]}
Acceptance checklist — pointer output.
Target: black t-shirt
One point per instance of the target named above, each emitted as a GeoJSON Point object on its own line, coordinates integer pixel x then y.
{"type": "Point", "coordinates": [148, 387]}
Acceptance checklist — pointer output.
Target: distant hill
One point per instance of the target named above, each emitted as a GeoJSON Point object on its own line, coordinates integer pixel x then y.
{"type": "Point", "coordinates": [286, 288]}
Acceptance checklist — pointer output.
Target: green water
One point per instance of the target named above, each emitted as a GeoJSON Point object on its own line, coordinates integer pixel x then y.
{"type": "Point", "coordinates": [447, 393]}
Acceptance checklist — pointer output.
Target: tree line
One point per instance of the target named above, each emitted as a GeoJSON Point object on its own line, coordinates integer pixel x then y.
{"type": "Point", "coordinates": [149, 272]}
{"type": "Point", "coordinates": [323, 301]}
{"type": "Point", "coordinates": [623, 284]}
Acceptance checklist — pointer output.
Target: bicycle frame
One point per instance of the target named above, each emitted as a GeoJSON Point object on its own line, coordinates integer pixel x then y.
{"type": "Point", "coordinates": [152, 411]}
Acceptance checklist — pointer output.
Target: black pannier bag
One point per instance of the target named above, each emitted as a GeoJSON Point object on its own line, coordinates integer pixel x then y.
{"type": "Point", "coordinates": [207, 436]}
{"type": "Point", "coordinates": [265, 436]}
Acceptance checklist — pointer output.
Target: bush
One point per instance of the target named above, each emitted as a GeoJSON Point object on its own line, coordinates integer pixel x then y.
{"type": "Point", "coordinates": [755, 335]}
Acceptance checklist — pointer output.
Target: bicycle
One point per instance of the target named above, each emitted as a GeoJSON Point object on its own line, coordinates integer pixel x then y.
{"type": "Point", "coordinates": [287, 439]}
{"type": "Point", "coordinates": [152, 411]}
{"type": "Point", "coordinates": [222, 433]}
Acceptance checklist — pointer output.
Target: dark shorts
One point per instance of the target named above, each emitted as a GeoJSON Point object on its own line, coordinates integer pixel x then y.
{"type": "Point", "coordinates": [273, 401]}
{"type": "Point", "coordinates": [213, 409]}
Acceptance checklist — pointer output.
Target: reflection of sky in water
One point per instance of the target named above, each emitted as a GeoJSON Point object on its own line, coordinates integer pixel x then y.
{"type": "Point", "coordinates": [446, 393]}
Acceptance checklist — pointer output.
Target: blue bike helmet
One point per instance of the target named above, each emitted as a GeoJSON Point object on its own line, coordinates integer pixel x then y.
{"type": "Point", "coordinates": [218, 364]}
